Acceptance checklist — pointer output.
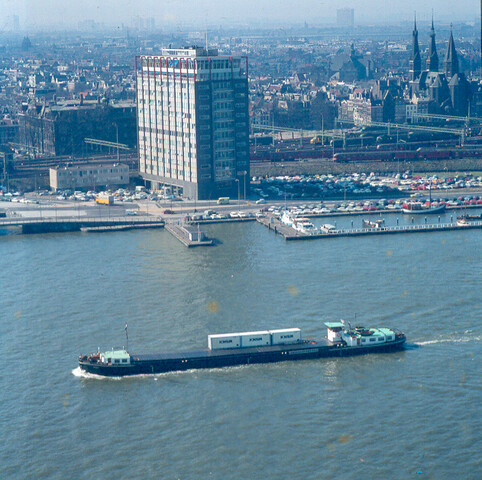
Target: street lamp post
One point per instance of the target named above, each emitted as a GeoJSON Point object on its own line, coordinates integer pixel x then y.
{"type": "Point", "coordinates": [117, 140]}
{"type": "Point", "coordinates": [322, 130]}
{"type": "Point", "coordinates": [244, 175]}
{"type": "Point", "coordinates": [237, 181]}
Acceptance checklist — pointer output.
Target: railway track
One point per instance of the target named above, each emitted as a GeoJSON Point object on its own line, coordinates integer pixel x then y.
{"type": "Point", "coordinates": [40, 166]}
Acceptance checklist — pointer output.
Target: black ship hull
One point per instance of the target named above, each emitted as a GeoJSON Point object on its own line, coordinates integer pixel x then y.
{"type": "Point", "coordinates": [163, 363]}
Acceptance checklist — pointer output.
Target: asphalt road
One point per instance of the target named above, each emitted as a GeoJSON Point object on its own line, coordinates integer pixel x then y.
{"type": "Point", "coordinates": [50, 207]}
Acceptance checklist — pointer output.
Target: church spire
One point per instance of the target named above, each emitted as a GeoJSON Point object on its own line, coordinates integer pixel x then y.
{"type": "Point", "coordinates": [432, 60]}
{"type": "Point", "coordinates": [451, 62]}
{"type": "Point", "coordinates": [415, 63]}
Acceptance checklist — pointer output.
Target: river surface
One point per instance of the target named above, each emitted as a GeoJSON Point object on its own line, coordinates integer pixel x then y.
{"type": "Point", "coordinates": [411, 414]}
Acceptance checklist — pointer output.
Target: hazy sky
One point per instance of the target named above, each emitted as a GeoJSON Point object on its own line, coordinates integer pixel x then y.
{"type": "Point", "coordinates": [69, 12]}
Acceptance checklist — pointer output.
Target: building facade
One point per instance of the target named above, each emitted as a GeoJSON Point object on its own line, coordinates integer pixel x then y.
{"type": "Point", "coordinates": [361, 108]}
{"type": "Point", "coordinates": [8, 132]}
{"type": "Point", "coordinates": [61, 128]}
{"type": "Point", "coordinates": [192, 119]}
{"type": "Point", "coordinates": [89, 176]}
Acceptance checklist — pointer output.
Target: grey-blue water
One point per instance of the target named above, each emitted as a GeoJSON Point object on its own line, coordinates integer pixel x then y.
{"type": "Point", "coordinates": [412, 414]}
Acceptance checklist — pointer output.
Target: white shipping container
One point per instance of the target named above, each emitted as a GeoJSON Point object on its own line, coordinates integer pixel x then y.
{"type": "Point", "coordinates": [287, 335]}
{"type": "Point", "coordinates": [224, 340]}
{"type": "Point", "coordinates": [255, 339]}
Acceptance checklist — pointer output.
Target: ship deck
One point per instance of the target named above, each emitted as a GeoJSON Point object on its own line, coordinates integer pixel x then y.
{"type": "Point", "coordinates": [225, 352]}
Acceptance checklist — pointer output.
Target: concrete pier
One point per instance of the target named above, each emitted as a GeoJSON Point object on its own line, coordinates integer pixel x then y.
{"type": "Point", "coordinates": [116, 228]}
{"type": "Point", "coordinates": [190, 235]}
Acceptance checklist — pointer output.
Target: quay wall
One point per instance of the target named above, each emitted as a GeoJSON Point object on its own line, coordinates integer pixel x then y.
{"type": "Point", "coordinates": [51, 227]}
{"type": "Point", "coordinates": [325, 167]}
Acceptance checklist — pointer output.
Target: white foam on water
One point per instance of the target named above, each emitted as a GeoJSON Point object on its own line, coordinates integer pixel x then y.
{"type": "Point", "coordinates": [190, 371]}
{"type": "Point", "coordinates": [449, 340]}
{"type": "Point", "coordinates": [78, 372]}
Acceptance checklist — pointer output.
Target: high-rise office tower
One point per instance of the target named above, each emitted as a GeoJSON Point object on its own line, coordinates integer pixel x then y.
{"type": "Point", "coordinates": [193, 126]}
{"type": "Point", "coordinates": [345, 17]}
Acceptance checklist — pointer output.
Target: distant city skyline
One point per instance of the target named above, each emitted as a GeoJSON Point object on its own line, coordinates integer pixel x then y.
{"type": "Point", "coordinates": [68, 13]}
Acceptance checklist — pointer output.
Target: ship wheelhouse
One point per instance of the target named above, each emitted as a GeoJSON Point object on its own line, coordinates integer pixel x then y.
{"type": "Point", "coordinates": [335, 330]}
{"type": "Point", "coordinates": [115, 357]}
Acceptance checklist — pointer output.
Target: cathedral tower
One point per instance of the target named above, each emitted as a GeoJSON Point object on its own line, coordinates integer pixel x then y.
{"type": "Point", "coordinates": [432, 60]}
{"type": "Point", "coordinates": [451, 62]}
{"type": "Point", "coordinates": [415, 63]}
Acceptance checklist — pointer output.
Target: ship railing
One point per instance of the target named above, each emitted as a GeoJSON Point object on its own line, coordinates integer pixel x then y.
{"type": "Point", "coordinates": [398, 228]}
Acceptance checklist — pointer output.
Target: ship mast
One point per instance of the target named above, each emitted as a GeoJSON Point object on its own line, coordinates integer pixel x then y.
{"type": "Point", "coordinates": [127, 339]}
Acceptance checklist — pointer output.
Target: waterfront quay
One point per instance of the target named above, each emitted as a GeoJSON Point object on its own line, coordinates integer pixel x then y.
{"type": "Point", "coordinates": [186, 220]}
{"type": "Point", "coordinates": [75, 224]}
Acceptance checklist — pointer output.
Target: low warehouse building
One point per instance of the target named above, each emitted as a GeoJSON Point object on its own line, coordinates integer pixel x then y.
{"type": "Point", "coordinates": [88, 176]}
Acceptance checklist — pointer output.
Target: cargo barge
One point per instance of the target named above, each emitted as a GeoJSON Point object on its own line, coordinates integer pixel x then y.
{"type": "Point", "coordinates": [268, 346]}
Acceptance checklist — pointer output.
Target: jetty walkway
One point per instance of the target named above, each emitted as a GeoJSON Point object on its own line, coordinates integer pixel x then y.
{"type": "Point", "coordinates": [290, 234]}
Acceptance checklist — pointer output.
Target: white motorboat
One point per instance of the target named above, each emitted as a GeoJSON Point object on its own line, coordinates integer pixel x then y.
{"type": "Point", "coordinates": [287, 218]}
{"type": "Point", "coordinates": [328, 228]}
{"type": "Point", "coordinates": [304, 226]}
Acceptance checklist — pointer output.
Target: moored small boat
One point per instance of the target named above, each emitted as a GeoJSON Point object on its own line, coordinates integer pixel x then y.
{"type": "Point", "coordinates": [463, 221]}
{"type": "Point", "coordinates": [328, 228]}
{"type": "Point", "coordinates": [303, 225]}
{"type": "Point", "coordinates": [377, 224]}
{"type": "Point", "coordinates": [416, 208]}
{"type": "Point", "coordinates": [288, 218]}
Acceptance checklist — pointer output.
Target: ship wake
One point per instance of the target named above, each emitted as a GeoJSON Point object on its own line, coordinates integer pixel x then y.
{"type": "Point", "coordinates": [463, 339]}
